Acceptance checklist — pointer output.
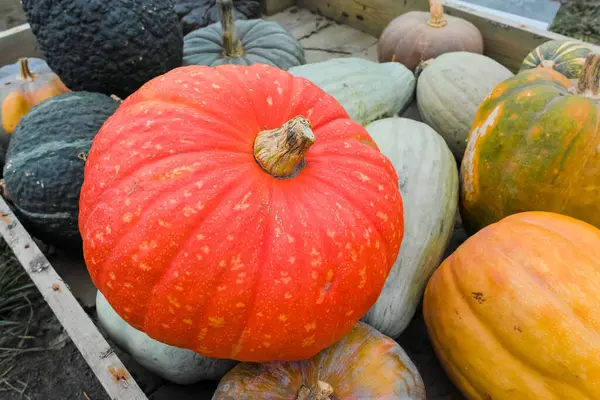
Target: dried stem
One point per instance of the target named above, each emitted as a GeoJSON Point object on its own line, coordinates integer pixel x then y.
{"type": "Point", "coordinates": [25, 72]}
{"type": "Point", "coordinates": [281, 151]}
{"type": "Point", "coordinates": [436, 11]}
{"type": "Point", "coordinates": [589, 82]}
{"type": "Point", "coordinates": [231, 45]}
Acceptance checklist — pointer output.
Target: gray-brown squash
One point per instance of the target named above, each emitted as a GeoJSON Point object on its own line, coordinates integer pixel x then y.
{"type": "Point", "coordinates": [418, 36]}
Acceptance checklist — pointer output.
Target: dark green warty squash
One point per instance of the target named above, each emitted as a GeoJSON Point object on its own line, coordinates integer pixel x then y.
{"type": "Point", "coordinates": [106, 46]}
{"type": "Point", "coordinates": [242, 42]}
{"type": "Point", "coordinates": [45, 160]}
{"type": "Point", "coordinates": [196, 14]}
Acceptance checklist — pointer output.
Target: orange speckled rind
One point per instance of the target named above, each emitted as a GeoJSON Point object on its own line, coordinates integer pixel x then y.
{"type": "Point", "coordinates": [514, 313]}
{"type": "Point", "coordinates": [191, 242]}
{"type": "Point", "coordinates": [363, 365]}
{"type": "Point", "coordinates": [533, 147]}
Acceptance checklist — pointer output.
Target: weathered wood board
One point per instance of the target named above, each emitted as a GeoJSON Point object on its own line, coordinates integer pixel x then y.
{"type": "Point", "coordinates": [105, 364]}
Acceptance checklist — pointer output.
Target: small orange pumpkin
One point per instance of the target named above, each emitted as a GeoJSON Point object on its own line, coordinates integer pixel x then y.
{"type": "Point", "coordinates": [365, 364]}
{"type": "Point", "coordinates": [23, 85]}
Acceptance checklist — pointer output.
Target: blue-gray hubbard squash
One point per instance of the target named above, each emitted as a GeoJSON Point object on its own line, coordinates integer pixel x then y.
{"type": "Point", "coordinates": [45, 160]}
{"type": "Point", "coordinates": [428, 183]}
{"type": "Point", "coordinates": [450, 88]}
{"type": "Point", "coordinates": [368, 90]}
{"type": "Point", "coordinates": [242, 42]}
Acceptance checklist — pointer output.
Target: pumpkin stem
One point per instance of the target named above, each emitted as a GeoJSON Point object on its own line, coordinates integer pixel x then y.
{"type": "Point", "coordinates": [589, 82]}
{"type": "Point", "coordinates": [26, 74]}
{"type": "Point", "coordinates": [231, 45]}
{"type": "Point", "coordinates": [436, 14]}
{"type": "Point", "coordinates": [321, 392]}
{"type": "Point", "coordinates": [280, 152]}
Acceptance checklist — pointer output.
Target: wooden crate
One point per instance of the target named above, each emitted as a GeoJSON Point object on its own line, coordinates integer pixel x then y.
{"type": "Point", "coordinates": [326, 29]}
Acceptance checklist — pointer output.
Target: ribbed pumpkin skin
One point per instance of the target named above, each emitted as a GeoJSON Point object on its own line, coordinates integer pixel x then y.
{"type": "Point", "coordinates": [428, 181]}
{"type": "Point", "coordinates": [45, 162]}
{"type": "Point", "coordinates": [564, 56]}
{"type": "Point", "coordinates": [264, 42]}
{"type": "Point", "coordinates": [368, 90]}
{"type": "Point", "coordinates": [451, 88]}
{"type": "Point", "coordinates": [300, 260]}
{"type": "Point", "coordinates": [177, 365]}
{"type": "Point", "coordinates": [533, 147]}
{"type": "Point", "coordinates": [514, 312]}
{"type": "Point", "coordinates": [363, 365]}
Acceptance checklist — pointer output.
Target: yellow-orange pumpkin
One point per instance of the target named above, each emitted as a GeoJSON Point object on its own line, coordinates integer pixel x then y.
{"type": "Point", "coordinates": [364, 365]}
{"type": "Point", "coordinates": [514, 313]}
{"type": "Point", "coordinates": [23, 85]}
{"type": "Point", "coordinates": [535, 146]}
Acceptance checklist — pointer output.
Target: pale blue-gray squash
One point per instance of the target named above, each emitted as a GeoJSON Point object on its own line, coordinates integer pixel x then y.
{"type": "Point", "coordinates": [181, 366]}
{"type": "Point", "coordinates": [450, 88]}
{"type": "Point", "coordinates": [428, 184]}
{"type": "Point", "coordinates": [242, 42]}
{"type": "Point", "coordinates": [367, 90]}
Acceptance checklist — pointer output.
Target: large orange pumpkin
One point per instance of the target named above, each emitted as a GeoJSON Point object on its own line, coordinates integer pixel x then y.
{"type": "Point", "coordinates": [239, 212]}
{"type": "Point", "coordinates": [514, 313]}
{"type": "Point", "coordinates": [535, 146]}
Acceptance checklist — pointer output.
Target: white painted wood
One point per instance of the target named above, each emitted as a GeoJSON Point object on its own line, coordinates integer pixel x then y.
{"type": "Point", "coordinates": [110, 371]}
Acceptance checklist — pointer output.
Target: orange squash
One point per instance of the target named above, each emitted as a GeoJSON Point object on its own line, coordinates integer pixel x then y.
{"type": "Point", "coordinates": [535, 146]}
{"type": "Point", "coordinates": [23, 85]}
{"type": "Point", "coordinates": [514, 313]}
{"type": "Point", "coordinates": [364, 365]}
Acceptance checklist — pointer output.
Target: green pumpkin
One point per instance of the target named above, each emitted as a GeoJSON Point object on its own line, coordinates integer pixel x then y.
{"type": "Point", "coordinates": [564, 56]}
{"type": "Point", "coordinates": [45, 162]}
{"type": "Point", "coordinates": [367, 90]}
{"type": "Point", "coordinates": [242, 42]}
{"type": "Point", "coordinates": [449, 90]}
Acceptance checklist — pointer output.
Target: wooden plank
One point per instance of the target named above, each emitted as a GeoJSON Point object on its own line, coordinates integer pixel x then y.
{"type": "Point", "coordinates": [17, 42]}
{"type": "Point", "coordinates": [368, 16]}
{"type": "Point", "coordinates": [506, 41]}
{"type": "Point", "coordinates": [299, 22]}
{"type": "Point", "coordinates": [336, 41]}
{"type": "Point", "coordinates": [270, 7]}
{"type": "Point", "coordinates": [108, 368]}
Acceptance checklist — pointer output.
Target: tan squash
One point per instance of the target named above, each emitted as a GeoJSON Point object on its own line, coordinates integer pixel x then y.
{"type": "Point", "coordinates": [418, 36]}
{"type": "Point", "coordinates": [363, 365]}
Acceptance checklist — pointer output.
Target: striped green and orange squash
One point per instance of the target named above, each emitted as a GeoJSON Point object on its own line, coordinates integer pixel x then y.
{"type": "Point", "coordinates": [564, 56]}
{"type": "Point", "coordinates": [535, 146]}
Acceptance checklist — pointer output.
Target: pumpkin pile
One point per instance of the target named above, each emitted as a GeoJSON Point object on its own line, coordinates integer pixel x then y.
{"type": "Point", "coordinates": [274, 224]}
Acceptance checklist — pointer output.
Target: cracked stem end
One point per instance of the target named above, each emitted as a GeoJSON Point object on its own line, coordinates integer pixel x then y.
{"type": "Point", "coordinates": [280, 152]}
{"type": "Point", "coordinates": [321, 392]}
